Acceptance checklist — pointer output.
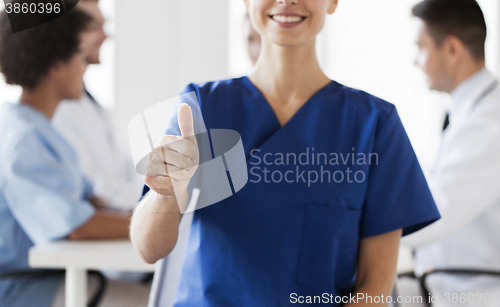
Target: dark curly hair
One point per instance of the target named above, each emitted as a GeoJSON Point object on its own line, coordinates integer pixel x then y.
{"type": "Point", "coordinates": [27, 56]}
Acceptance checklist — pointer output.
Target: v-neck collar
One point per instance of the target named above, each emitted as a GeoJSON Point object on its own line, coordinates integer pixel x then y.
{"type": "Point", "coordinates": [261, 96]}
{"type": "Point", "coordinates": [273, 130]}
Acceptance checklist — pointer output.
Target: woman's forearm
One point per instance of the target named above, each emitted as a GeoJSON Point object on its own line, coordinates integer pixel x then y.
{"type": "Point", "coordinates": [155, 225]}
{"type": "Point", "coordinates": [378, 256]}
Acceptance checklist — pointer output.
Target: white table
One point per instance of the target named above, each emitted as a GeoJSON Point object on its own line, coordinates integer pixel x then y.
{"type": "Point", "coordinates": [76, 257]}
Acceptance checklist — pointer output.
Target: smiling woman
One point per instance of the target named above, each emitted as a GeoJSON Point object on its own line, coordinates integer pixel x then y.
{"type": "Point", "coordinates": [271, 239]}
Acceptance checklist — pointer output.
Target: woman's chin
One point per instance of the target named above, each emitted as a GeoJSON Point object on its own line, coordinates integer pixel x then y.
{"type": "Point", "coordinates": [290, 43]}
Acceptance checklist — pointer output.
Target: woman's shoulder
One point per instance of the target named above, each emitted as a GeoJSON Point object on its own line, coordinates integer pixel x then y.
{"type": "Point", "coordinates": [366, 104]}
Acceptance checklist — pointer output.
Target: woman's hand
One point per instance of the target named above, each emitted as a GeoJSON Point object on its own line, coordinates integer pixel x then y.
{"type": "Point", "coordinates": [155, 222]}
{"type": "Point", "coordinates": [174, 161]}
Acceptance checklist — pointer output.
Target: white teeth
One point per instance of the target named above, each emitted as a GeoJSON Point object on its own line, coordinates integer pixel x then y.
{"type": "Point", "coordinates": [287, 19]}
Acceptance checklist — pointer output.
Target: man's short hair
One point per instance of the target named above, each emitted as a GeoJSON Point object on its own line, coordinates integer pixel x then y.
{"type": "Point", "coordinates": [461, 18]}
{"type": "Point", "coordinates": [27, 56]}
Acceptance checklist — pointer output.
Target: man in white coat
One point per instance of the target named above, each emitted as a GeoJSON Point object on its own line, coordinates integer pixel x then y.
{"type": "Point", "coordinates": [465, 180]}
{"type": "Point", "coordinates": [104, 159]}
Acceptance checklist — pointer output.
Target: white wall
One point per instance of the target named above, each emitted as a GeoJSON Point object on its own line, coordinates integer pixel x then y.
{"type": "Point", "coordinates": [497, 54]}
{"type": "Point", "coordinates": [161, 46]}
{"type": "Point", "coordinates": [491, 10]}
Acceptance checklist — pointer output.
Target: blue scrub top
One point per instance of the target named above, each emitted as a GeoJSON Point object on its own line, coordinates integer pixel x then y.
{"type": "Point", "coordinates": [340, 170]}
{"type": "Point", "coordinates": [42, 198]}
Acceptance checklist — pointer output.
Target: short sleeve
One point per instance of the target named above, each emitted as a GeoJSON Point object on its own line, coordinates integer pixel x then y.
{"type": "Point", "coordinates": [398, 195]}
{"type": "Point", "coordinates": [45, 198]}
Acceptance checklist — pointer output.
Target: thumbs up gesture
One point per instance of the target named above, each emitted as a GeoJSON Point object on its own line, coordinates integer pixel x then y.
{"type": "Point", "coordinates": [174, 161]}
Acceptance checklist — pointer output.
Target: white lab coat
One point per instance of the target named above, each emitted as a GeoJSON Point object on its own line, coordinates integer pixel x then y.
{"type": "Point", "coordinates": [104, 160]}
{"type": "Point", "coordinates": [465, 183]}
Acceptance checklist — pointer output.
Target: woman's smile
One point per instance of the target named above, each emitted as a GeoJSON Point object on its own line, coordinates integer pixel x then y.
{"type": "Point", "coordinates": [287, 20]}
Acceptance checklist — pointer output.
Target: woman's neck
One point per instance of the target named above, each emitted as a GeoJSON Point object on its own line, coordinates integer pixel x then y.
{"type": "Point", "coordinates": [288, 74]}
{"type": "Point", "coordinates": [43, 98]}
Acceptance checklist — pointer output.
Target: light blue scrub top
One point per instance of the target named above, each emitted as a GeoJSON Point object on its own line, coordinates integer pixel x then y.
{"type": "Point", "coordinates": [283, 234]}
{"type": "Point", "coordinates": [42, 198]}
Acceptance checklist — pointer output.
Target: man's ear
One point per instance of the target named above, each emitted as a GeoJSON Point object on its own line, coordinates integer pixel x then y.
{"type": "Point", "coordinates": [332, 6]}
{"type": "Point", "coordinates": [454, 48]}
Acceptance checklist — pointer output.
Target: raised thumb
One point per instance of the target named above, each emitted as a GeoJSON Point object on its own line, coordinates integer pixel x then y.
{"type": "Point", "coordinates": [185, 118]}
